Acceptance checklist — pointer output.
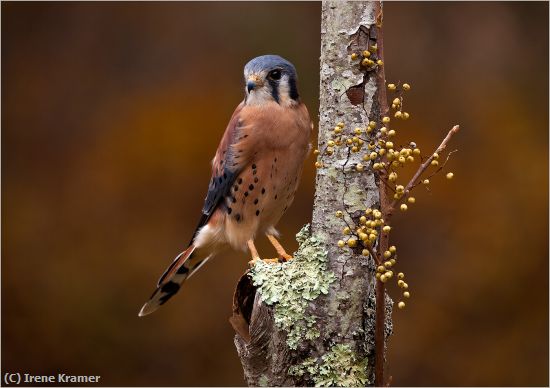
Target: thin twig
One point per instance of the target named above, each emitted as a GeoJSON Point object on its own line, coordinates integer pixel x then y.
{"type": "Point", "coordinates": [425, 165]}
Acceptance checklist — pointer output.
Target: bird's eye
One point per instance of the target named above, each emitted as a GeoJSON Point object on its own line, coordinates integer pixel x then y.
{"type": "Point", "coordinates": [275, 74]}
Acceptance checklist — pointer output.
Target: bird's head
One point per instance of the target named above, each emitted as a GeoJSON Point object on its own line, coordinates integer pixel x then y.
{"type": "Point", "coordinates": [270, 78]}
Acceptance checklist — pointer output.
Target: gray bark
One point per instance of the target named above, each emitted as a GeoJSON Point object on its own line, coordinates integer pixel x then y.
{"type": "Point", "coordinates": [338, 347]}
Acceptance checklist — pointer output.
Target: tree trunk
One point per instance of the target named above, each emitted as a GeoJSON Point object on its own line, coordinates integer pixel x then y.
{"type": "Point", "coordinates": [311, 321]}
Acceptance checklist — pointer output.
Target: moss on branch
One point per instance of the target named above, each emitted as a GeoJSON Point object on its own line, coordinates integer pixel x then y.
{"type": "Point", "coordinates": [290, 286]}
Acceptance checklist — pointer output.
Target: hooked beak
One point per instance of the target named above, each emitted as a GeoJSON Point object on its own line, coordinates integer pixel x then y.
{"type": "Point", "coordinates": [253, 82]}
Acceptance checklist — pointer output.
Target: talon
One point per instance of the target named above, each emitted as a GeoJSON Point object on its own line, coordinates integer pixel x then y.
{"type": "Point", "coordinates": [286, 257]}
{"type": "Point", "coordinates": [252, 262]}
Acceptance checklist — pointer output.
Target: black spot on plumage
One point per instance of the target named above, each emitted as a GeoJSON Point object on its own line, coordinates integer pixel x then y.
{"type": "Point", "coordinates": [253, 166]}
{"type": "Point", "coordinates": [251, 187]}
{"type": "Point", "coordinates": [256, 179]}
{"type": "Point", "coordinates": [263, 190]}
{"type": "Point", "coordinates": [256, 201]}
{"type": "Point", "coordinates": [275, 160]}
{"type": "Point", "coordinates": [246, 193]}
{"type": "Point", "coordinates": [236, 188]}
{"type": "Point", "coordinates": [254, 172]}
{"type": "Point", "coordinates": [238, 217]}
{"type": "Point", "coordinates": [170, 287]}
{"type": "Point", "coordinates": [275, 196]}
{"type": "Point", "coordinates": [240, 181]}
{"type": "Point", "coordinates": [224, 175]}
{"type": "Point", "coordinates": [245, 136]}
{"type": "Point", "coordinates": [257, 212]}
{"type": "Point", "coordinates": [233, 199]}
{"type": "Point", "coordinates": [229, 210]}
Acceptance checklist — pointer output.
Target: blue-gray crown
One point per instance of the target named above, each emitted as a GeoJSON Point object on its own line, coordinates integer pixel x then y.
{"type": "Point", "coordinates": [270, 62]}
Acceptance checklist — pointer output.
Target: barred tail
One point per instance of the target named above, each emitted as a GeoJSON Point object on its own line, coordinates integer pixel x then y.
{"type": "Point", "coordinates": [183, 266]}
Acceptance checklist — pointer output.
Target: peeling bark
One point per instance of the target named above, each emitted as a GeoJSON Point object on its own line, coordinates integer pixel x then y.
{"type": "Point", "coordinates": [344, 319]}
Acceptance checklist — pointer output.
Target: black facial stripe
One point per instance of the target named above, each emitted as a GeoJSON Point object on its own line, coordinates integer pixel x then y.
{"type": "Point", "coordinates": [293, 90]}
{"type": "Point", "coordinates": [274, 89]}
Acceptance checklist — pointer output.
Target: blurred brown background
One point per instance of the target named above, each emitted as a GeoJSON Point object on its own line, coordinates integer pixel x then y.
{"type": "Point", "coordinates": [111, 113]}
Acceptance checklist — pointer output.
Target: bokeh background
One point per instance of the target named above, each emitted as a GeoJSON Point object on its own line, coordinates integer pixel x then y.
{"type": "Point", "coordinates": [111, 113]}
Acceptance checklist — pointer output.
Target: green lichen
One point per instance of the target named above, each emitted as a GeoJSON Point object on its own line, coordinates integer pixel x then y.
{"type": "Point", "coordinates": [290, 286]}
{"type": "Point", "coordinates": [340, 367]}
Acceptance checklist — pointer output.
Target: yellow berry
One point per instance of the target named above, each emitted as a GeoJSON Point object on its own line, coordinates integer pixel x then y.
{"type": "Point", "coordinates": [381, 268]}
{"type": "Point", "coordinates": [426, 182]}
{"type": "Point", "coordinates": [411, 200]}
{"type": "Point", "coordinates": [372, 124]}
{"type": "Point", "coordinates": [339, 214]}
{"type": "Point", "coordinates": [368, 211]}
{"type": "Point", "coordinates": [389, 144]}
{"type": "Point", "coordinates": [396, 101]}
{"type": "Point", "coordinates": [346, 230]}
{"type": "Point", "coordinates": [341, 243]}
{"type": "Point", "coordinates": [330, 150]}
{"type": "Point", "coordinates": [363, 219]}
{"type": "Point", "coordinates": [402, 159]}
{"type": "Point", "coordinates": [330, 143]}
{"type": "Point", "coordinates": [400, 282]}
{"type": "Point", "coordinates": [386, 228]}
{"type": "Point", "coordinates": [388, 264]}
{"type": "Point", "coordinates": [380, 62]}
{"type": "Point", "coordinates": [401, 275]}
{"type": "Point", "coordinates": [373, 155]}
{"type": "Point", "coordinates": [434, 163]}
{"type": "Point", "coordinates": [403, 207]}
{"type": "Point", "coordinates": [416, 151]}
{"type": "Point", "coordinates": [318, 164]}
{"type": "Point", "coordinates": [392, 249]}
{"type": "Point", "coordinates": [365, 252]}
{"type": "Point", "coordinates": [393, 261]}
{"type": "Point", "coordinates": [383, 278]}
{"type": "Point", "coordinates": [358, 131]}
{"type": "Point", "coordinates": [398, 114]}
{"type": "Point", "coordinates": [378, 274]}
{"type": "Point", "coordinates": [337, 130]}
{"type": "Point", "coordinates": [387, 254]}
{"type": "Point", "coordinates": [392, 177]}
{"type": "Point", "coordinates": [341, 124]}
{"type": "Point", "coordinates": [359, 167]}
{"type": "Point", "coordinates": [391, 86]}
{"type": "Point", "coordinates": [436, 156]}
{"type": "Point", "coordinates": [406, 87]}
{"type": "Point", "coordinates": [401, 305]}
{"type": "Point", "coordinates": [407, 294]}
{"type": "Point", "coordinates": [450, 175]}
{"type": "Point", "coordinates": [410, 159]}
{"type": "Point", "coordinates": [366, 53]}
{"type": "Point", "coordinates": [373, 48]}
{"type": "Point", "coordinates": [365, 62]}
{"type": "Point", "coordinates": [353, 56]}
{"type": "Point", "coordinates": [382, 151]}
{"type": "Point", "coordinates": [385, 119]}
{"type": "Point", "coordinates": [405, 286]}
{"type": "Point", "coordinates": [399, 188]}
{"type": "Point", "coordinates": [316, 152]}
{"type": "Point", "coordinates": [391, 133]}
{"type": "Point", "coordinates": [405, 116]}
{"type": "Point", "coordinates": [354, 149]}
{"type": "Point", "coordinates": [352, 242]}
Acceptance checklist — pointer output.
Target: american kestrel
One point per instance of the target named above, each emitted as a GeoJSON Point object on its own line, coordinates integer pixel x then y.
{"type": "Point", "coordinates": [255, 173]}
